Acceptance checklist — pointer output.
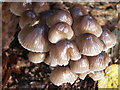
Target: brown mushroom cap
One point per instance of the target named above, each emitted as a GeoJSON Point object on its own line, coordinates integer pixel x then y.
{"type": "Point", "coordinates": [18, 7]}
{"type": "Point", "coordinates": [34, 38]}
{"type": "Point", "coordinates": [59, 32]}
{"type": "Point", "coordinates": [108, 38]}
{"type": "Point", "coordinates": [27, 17]}
{"type": "Point", "coordinates": [43, 16]}
{"type": "Point", "coordinates": [36, 57]}
{"type": "Point", "coordinates": [74, 51]}
{"type": "Point", "coordinates": [99, 62]}
{"type": "Point", "coordinates": [89, 44]}
{"type": "Point", "coordinates": [62, 75]}
{"type": "Point", "coordinates": [80, 66]}
{"type": "Point", "coordinates": [97, 75]}
{"type": "Point", "coordinates": [59, 16]}
{"type": "Point", "coordinates": [77, 10]}
{"type": "Point", "coordinates": [39, 7]}
{"type": "Point", "coordinates": [87, 24]}
{"type": "Point", "coordinates": [62, 52]}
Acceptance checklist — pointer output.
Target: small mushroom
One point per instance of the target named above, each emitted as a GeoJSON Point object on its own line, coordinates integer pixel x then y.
{"type": "Point", "coordinates": [80, 66]}
{"type": "Point", "coordinates": [97, 75]}
{"type": "Point", "coordinates": [34, 38]}
{"type": "Point", "coordinates": [59, 32]}
{"type": "Point", "coordinates": [108, 38]}
{"type": "Point", "coordinates": [36, 57]}
{"type": "Point", "coordinates": [99, 62]}
{"type": "Point", "coordinates": [87, 24]}
{"type": "Point", "coordinates": [62, 75]}
{"type": "Point", "coordinates": [39, 7]}
{"type": "Point", "coordinates": [89, 44]}
{"type": "Point", "coordinates": [77, 10]}
{"type": "Point", "coordinates": [83, 75]}
{"type": "Point", "coordinates": [59, 16]}
{"type": "Point", "coordinates": [18, 8]}
{"type": "Point", "coordinates": [27, 17]}
{"type": "Point", "coordinates": [62, 52]}
{"type": "Point", "coordinates": [43, 16]}
{"type": "Point", "coordinates": [58, 5]}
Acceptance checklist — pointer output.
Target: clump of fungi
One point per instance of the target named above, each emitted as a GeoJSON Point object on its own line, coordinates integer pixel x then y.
{"type": "Point", "coordinates": [71, 40]}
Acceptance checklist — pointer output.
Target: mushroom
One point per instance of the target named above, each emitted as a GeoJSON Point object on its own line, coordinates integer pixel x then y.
{"type": "Point", "coordinates": [27, 17]}
{"type": "Point", "coordinates": [99, 62]}
{"type": "Point", "coordinates": [36, 57]}
{"type": "Point", "coordinates": [43, 16]}
{"type": "Point", "coordinates": [39, 7]}
{"type": "Point", "coordinates": [18, 8]}
{"type": "Point", "coordinates": [87, 24]}
{"type": "Point", "coordinates": [83, 75]}
{"type": "Point", "coordinates": [80, 66]}
{"type": "Point", "coordinates": [34, 38]}
{"type": "Point", "coordinates": [59, 16]}
{"type": "Point", "coordinates": [89, 44]}
{"type": "Point", "coordinates": [77, 10]}
{"type": "Point", "coordinates": [108, 38]}
{"type": "Point", "coordinates": [59, 32]}
{"type": "Point", "coordinates": [62, 75]}
{"type": "Point", "coordinates": [97, 75]}
{"type": "Point", "coordinates": [62, 52]}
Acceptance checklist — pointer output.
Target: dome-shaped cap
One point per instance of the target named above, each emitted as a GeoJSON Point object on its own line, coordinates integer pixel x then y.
{"type": "Point", "coordinates": [18, 8]}
{"type": "Point", "coordinates": [60, 31]}
{"type": "Point", "coordinates": [80, 66]}
{"type": "Point", "coordinates": [27, 17]}
{"type": "Point", "coordinates": [62, 52]}
{"type": "Point", "coordinates": [59, 16]}
{"type": "Point", "coordinates": [39, 7]}
{"type": "Point", "coordinates": [43, 16]}
{"type": "Point", "coordinates": [108, 38]}
{"type": "Point", "coordinates": [34, 38]}
{"type": "Point", "coordinates": [87, 24]}
{"type": "Point", "coordinates": [77, 10]}
{"type": "Point", "coordinates": [99, 62]}
{"type": "Point", "coordinates": [62, 75]}
{"type": "Point", "coordinates": [36, 57]}
{"type": "Point", "coordinates": [83, 75]}
{"type": "Point", "coordinates": [89, 44]}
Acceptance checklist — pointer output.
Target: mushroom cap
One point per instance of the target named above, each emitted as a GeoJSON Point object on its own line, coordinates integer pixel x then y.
{"type": "Point", "coordinates": [34, 38]}
{"type": "Point", "coordinates": [108, 38]}
{"type": "Point", "coordinates": [43, 16]}
{"type": "Point", "coordinates": [36, 57]}
{"type": "Point", "coordinates": [99, 62]}
{"type": "Point", "coordinates": [77, 10]}
{"type": "Point", "coordinates": [83, 75]}
{"type": "Point", "coordinates": [53, 61]}
{"type": "Point", "coordinates": [62, 52]}
{"type": "Point", "coordinates": [59, 32]}
{"type": "Point", "coordinates": [39, 7]}
{"type": "Point", "coordinates": [59, 16]}
{"type": "Point", "coordinates": [74, 52]}
{"type": "Point", "coordinates": [97, 75]}
{"type": "Point", "coordinates": [18, 8]}
{"type": "Point", "coordinates": [89, 44]}
{"type": "Point", "coordinates": [87, 24]}
{"type": "Point", "coordinates": [62, 75]}
{"type": "Point", "coordinates": [80, 66]}
{"type": "Point", "coordinates": [27, 17]}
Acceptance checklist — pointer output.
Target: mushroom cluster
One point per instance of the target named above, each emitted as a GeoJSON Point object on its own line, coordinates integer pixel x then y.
{"type": "Point", "coordinates": [70, 40]}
